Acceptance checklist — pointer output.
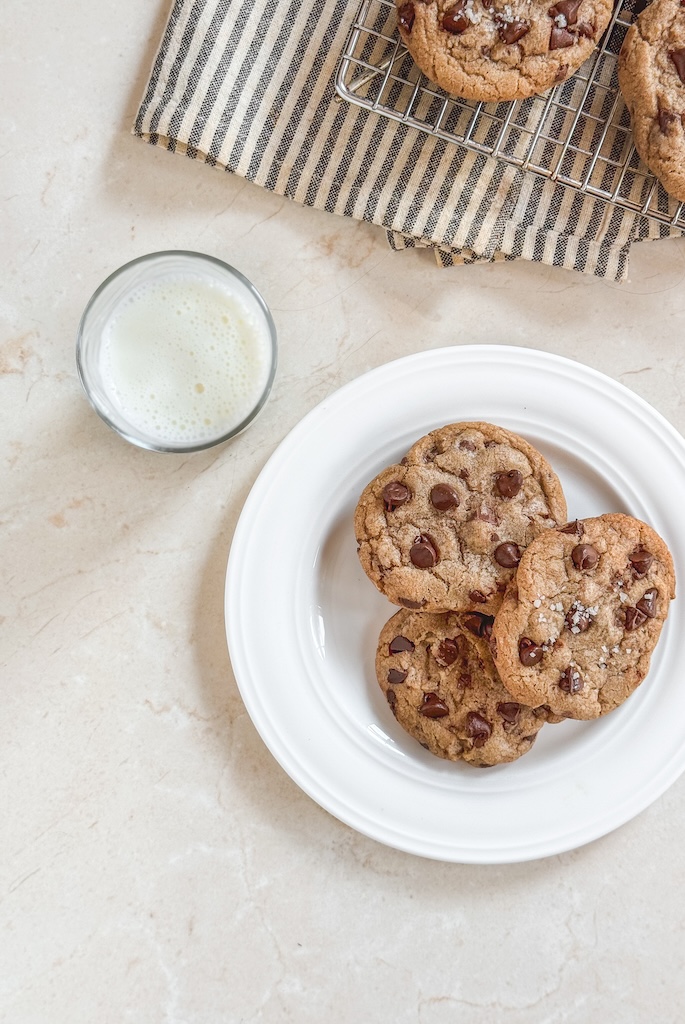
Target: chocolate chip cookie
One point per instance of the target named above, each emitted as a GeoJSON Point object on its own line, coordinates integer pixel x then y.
{"type": "Point", "coordinates": [651, 74]}
{"type": "Point", "coordinates": [444, 530]}
{"type": "Point", "coordinates": [440, 681]}
{"type": "Point", "coordinates": [578, 625]}
{"type": "Point", "coordinates": [491, 50]}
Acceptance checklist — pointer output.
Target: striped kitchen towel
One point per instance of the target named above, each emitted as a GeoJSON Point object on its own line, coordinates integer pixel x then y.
{"type": "Point", "coordinates": [249, 86]}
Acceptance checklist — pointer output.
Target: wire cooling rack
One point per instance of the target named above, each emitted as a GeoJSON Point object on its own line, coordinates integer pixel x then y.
{"type": "Point", "coordinates": [578, 134]}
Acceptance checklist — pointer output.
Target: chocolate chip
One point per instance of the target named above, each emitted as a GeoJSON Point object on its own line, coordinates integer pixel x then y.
{"type": "Point", "coordinates": [575, 527]}
{"type": "Point", "coordinates": [585, 556]}
{"type": "Point", "coordinates": [578, 618]}
{"type": "Point", "coordinates": [405, 16]}
{"type": "Point", "coordinates": [634, 617]}
{"type": "Point", "coordinates": [678, 58]}
{"type": "Point", "coordinates": [559, 38]}
{"type": "Point", "coordinates": [423, 552]}
{"type": "Point", "coordinates": [568, 9]}
{"type": "Point", "coordinates": [509, 484]}
{"type": "Point", "coordinates": [465, 681]}
{"type": "Point", "coordinates": [467, 446]}
{"type": "Point", "coordinates": [400, 643]}
{"type": "Point", "coordinates": [395, 676]}
{"type": "Point", "coordinates": [508, 555]}
{"type": "Point", "coordinates": [641, 560]}
{"type": "Point", "coordinates": [477, 623]}
{"type": "Point", "coordinates": [562, 72]}
{"type": "Point", "coordinates": [570, 680]}
{"type": "Point", "coordinates": [529, 652]}
{"type": "Point", "coordinates": [477, 597]}
{"type": "Point", "coordinates": [391, 698]}
{"type": "Point", "coordinates": [478, 728]}
{"type": "Point", "coordinates": [447, 653]}
{"type": "Point", "coordinates": [665, 118]}
{"type": "Point", "coordinates": [455, 20]}
{"type": "Point", "coordinates": [509, 710]}
{"type": "Point", "coordinates": [433, 706]}
{"type": "Point", "coordinates": [407, 602]}
{"type": "Point", "coordinates": [394, 495]}
{"type": "Point", "coordinates": [647, 602]}
{"type": "Point", "coordinates": [512, 31]}
{"type": "Point", "coordinates": [584, 28]}
{"type": "Point", "coordinates": [444, 497]}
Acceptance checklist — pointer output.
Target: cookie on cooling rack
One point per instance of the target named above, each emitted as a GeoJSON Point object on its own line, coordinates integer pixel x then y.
{"type": "Point", "coordinates": [444, 530]}
{"type": "Point", "coordinates": [439, 679]}
{"type": "Point", "coordinates": [651, 75]}
{"type": "Point", "coordinates": [578, 625]}
{"type": "Point", "coordinates": [494, 51]}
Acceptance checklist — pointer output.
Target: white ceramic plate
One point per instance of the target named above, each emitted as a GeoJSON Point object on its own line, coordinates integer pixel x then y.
{"type": "Point", "coordinates": [302, 619]}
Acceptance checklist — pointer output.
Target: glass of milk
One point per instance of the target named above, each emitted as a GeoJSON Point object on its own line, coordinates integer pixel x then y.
{"type": "Point", "coordinates": [176, 351]}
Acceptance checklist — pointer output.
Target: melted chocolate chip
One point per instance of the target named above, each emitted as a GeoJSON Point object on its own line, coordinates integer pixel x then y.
{"type": "Point", "coordinates": [444, 497]}
{"type": "Point", "coordinates": [665, 118]}
{"type": "Point", "coordinates": [400, 643]}
{"type": "Point", "coordinates": [634, 617]}
{"type": "Point", "coordinates": [477, 597]}
{"type": "Point", "coordinates": [433, 706]}
{"type": "Point", "coordinates": [678, 58]}
{"type": "Point", "coordinates": [467, 446]}
{"type": "Point", "coordinates": [574, 527]}
{"type": "Point", "coordinates": [641, 560]}
{"type": "Point", "coordinates": [396, 676]}
{"type": "Point", "coordinates": [394, 495]}
{"type": "Point", "coordinates": [512, 31]}
{"type": "Point", "coordinates": [647, 602]}
{"type": "Point", "coordinates": [477, 623]}
{"type": "Point", "coordinates": [509, 710]}
{"type": "Point", "coordinates": [559, 38]}
{"type": "Point", "coordinates": [478, 728]}
{"type": "Point", "coordinates": [423, 552]}
{"type": "Point", "coordinates": [578, 619]}
{"type": "Point", "coordinates": [447, 653]}
{"type": "Point", "coordinates": [405, 16]}
{"type": "Point", "coordinates": [585, 556]}
{"type": "Point", "coordinates": [407, 602]}
{"type": "Point", "coordinates": [455, 20]}
{"type": "Point", "coordinates": [508, 555]}
{"type": "Point", "coordinates": [509, 484]}
{"type": "Point", "coordinates": [570, 680]}
{"type": "Point", "coordinates": [529, 652]}
{"type": "Point", "coordinates": [568, 9]}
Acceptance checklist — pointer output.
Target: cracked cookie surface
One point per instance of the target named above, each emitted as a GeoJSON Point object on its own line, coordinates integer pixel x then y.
{"type": "Point", "coordinates": [578, 625]}
{"type": "Point", "coordinates": [444, 529]}
{"type": "Point", "coordinates": [440, 681]}
{"type": "Point", "coordinates": [495, 51]}
{"type": "Point", "coordinates": [651, 75]}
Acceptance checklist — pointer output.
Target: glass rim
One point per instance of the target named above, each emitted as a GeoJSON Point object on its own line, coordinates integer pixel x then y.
{"type": "Point", "coordinates": [129, 434]}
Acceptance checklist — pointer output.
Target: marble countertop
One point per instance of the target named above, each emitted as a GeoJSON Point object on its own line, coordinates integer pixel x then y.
{"type": "Point", "coordinates": [156, 863]}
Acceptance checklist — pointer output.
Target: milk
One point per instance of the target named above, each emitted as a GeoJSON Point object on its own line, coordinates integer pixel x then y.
{"type": "Point", "coordinates": [186, 359]}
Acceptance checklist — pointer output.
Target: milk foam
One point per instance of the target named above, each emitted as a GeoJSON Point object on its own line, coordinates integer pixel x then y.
{"type": "Point", "coordinates": [186, 359]}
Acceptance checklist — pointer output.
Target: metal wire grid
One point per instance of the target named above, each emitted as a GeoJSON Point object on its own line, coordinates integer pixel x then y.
{"type": "Point", "coordinates": [578, 134]}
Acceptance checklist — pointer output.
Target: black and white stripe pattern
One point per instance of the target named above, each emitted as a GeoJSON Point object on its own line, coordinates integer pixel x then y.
{"type": "Point", "coordinates": [248, 85]}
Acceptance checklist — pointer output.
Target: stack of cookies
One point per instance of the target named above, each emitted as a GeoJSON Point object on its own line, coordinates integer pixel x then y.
{"type": "Point", "coordinates": [651, 74]}
{"type": "Point", "coordinates": [492, 50]}
{"type": "Point", "coordinates": [510, 616]}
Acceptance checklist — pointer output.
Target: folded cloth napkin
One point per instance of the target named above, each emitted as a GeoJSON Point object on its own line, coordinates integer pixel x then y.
{"type": "Point", "coordinates": [249, 86]}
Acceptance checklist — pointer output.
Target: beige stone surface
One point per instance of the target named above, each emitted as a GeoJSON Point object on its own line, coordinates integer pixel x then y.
{"type": "Point", "coordinates": [156, 864]}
